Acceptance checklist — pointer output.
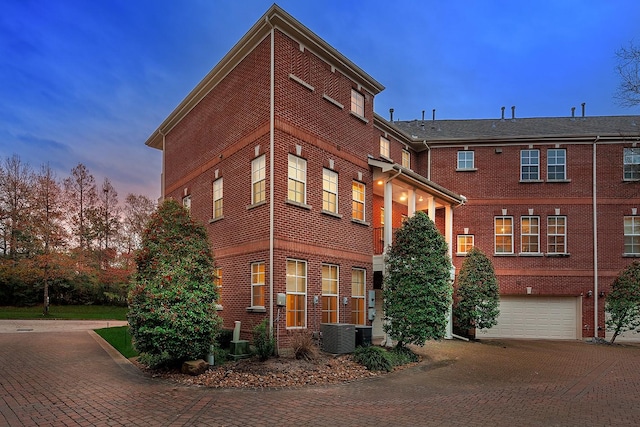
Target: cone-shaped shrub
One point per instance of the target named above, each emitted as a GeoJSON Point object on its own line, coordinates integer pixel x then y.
{"type": "Point", "coordinates": [623, 301]}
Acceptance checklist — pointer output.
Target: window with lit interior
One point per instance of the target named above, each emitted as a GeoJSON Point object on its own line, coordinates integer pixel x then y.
{"type": "Point", "coordinates": [358, 193]}
{"type": "Point", "coordinates": [296, 294]}
{"type": "Point", "coordinates": [384, 147]}
{"type": "Point", "coordinates": [329, 191]}
{"type": "Point", "coordinates": [465, 243]}
{"type": "Point", "coordinates": [257, 284]}
{"type": "Point", "coordinates": [297, 184]}
{"type": "Point", "coordinates": [406, 159]}
{"type": "Point", "coordinates": [358, 288]}
{"type": "Point", "coordinates": [632, 235]}
{"type": "Point", "coordinates": [557, 234]}
{"type": "Point", "coordinates": [530, 234]}
{"type": "Point", "coordinates": [330, 274]}
{"type": "Point", "coordinates": [503, 235]}
{"type": "Point", "coordinates": [258, 190]}
{"type": "Point", "coordinates": [217, 198]}
{"type": "Point", "coordinates": [357, 102]}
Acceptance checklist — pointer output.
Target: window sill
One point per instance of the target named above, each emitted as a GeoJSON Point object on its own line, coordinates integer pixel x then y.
{"type": "Point", "coordinates": [630, 180]}
{"type": "Point", "coordinates": [504, 254]}
{"type": "Point", "coordinates": [552, 181]}
{"type": "Point", "coordinates": [301, 82]}
{"type": "Point", "coordinates": [298, 204]}
{"type": "Point", "coordinates": [530, 181]}
{"type": "Point", "coordinates": [359, 117]}
{"type": "Point", "coordinates": [333, 101]}
{"type": "Point", "coordinates": [255, 205]}
{"type": "Point", "coordinates": [530, 254]}
{"type": "Point", "coordinates": [212, 220]}
{"type": "Point", "coordinates": [631, 255]}
{"type": "Point", "coordinates": [256, 309]}
{"type": "Point", "coordinates": [558, 255]}
{"type": "Point", "coordinates": [329, 213]}
{"type": "Point", "coordinates": [462, 253]}
{"type": "Point", "coordinates": [466, 170]}
{"type": "Point", "coordinates": [357, 221]}
{"type": "Point", "coordinates": [219, 307]}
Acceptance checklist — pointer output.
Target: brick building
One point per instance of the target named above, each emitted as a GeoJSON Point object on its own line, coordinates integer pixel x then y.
{"type": "Point", "coordinates": [300, 184]}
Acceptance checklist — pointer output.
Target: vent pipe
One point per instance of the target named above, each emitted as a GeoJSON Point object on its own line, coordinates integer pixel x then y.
{"type": "Point", "coordinates": [573, 112]}
{"type": "Point", "coordinates": [391, 114]}
{"type": "Point", "coordinates": [583, 104]}
{"type": "Point", "coordinates": [513, 112]}
{"type": "Point", "coordinates": [423, 115]}
{"type": "Point", "coordinates": [502, 109]}
{"type": "Point", "coordinates": [433, 114]}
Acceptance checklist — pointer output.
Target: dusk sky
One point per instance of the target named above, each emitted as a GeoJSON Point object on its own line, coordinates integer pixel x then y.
{"type": "Point", "coordinates": [88, 81]}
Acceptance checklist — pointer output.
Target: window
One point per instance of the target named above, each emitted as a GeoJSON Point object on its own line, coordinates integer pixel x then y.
{"type": "Point", "coordinates": [357, 212]}
{"type": "Point", "coordinates": [357, 102]}
{"type": "Point", "coordinates": [381, 216]}
{"type": "Point", "coordinates": [384, 147]}
{"type": "Point", "coordinates": [257, 284]}
{"type": "Point", "coordinates": [504, 234]}
{"type": "Point", "coordinates": [465, 243]}
{"type": "Point", "coordinates": [529, 165]}
{"type": "Point", "coordinates": [466, 160]}
{"type": "Point", "coordinates": [329, 191]}
{"type": "Point", "coordinates": [186, 202]}
{"type": "Point", "coordinates": [632, 164]}
{"type": "Point", "coordinates": [358, 287]}
{"type": "Point", "coordinates": [217, 281]}
{"type": "Point", "coordinates": [296, 293]}
{"type": "Point", "coordinates": [297, 179]}
{"type": "Point", "coordinates": [632, 235]}
{"type": "Point", "coordinates": [258, 190]}
{"type": "Point", "coordinates": [530, 234]}
{"type": "Point", "coordinates": [557, 234]}
{"type": "Point", "coordinates": [217, 198]}
{"type": "Point", "coordinates": [406, 159]}
{"type": "Point", "coordinates": [330, 293]}
{"type": "Point", "coordinates": [557, 164]}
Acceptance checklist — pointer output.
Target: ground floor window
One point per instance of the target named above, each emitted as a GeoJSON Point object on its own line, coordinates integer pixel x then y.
{"type": "Point", "coordinates": [257, 284]}
{"type": "Point", "coordinates": [296, 293]}
{"type": "Point", "coordinates": [358, 287]}
{"type": "Point", "coordinates": [330, 274]}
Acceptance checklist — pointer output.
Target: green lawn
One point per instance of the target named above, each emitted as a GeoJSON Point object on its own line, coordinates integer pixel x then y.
{"type": "Point", "coordinates": [68, 312]}
{"type": "Point", "coordinates": [119, 338]}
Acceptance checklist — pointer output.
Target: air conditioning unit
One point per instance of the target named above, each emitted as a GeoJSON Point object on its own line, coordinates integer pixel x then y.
{"type": "Point", "coordinates": [338, 338]}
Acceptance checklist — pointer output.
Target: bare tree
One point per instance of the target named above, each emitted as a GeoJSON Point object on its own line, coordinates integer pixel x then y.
{"type": "Point", "coordinates": [16, 180]}
{"type": "Point", "coordinates": [137, 212]}
{"type": "Point", "coordinates": [80, 190]}
{"type": "Point", "coordinates": [106, 219]}
{"type": "Point", "coordinates": [628, 67]}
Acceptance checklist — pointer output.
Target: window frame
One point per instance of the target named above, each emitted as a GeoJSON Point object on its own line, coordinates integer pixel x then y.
{"type": "Point", "coordinates": [299, 177]}
{"type": "Point", "coordinates": [462, 163]}
{"type": "Point", "coordinates": [217, 281]}
{"type": "Point", "coordinates": [357, 103]}
{"type": "Point", "coordinates": [385, 147]}
{"type": "Point", "coordinates": [406, 159]}
{"type": "Point", "coordinates": [356, 202]}
{"type": "Point", "coordinates": [258, 179]}
{"type": "Point", "coordinates": [562, 165]}
{"type": "Point", "coordinates": [330, 293]}
{"type": "Point", "coordinates": [329, 187]}
{"type": "Point", "coordinates": [632, 234]}
{"type": "Point", "coordinates": [630, 158]}
{"type": "Point", "coordinates": [530, 238]}
{"type": "Point", "coordinates": [553, 235]}
{"type": "Point", "coordinates": [465, 245]}
{"type": "Point", "coordinates": [358, 306]}
{"type": "Point", "coordinates": [509, 235]}
{"type": "Point", "coordinates": [258, 279]}
{"type": "Point", "coordinates": [218, 199]}
{"type": "Point", "coordinates": [296, 294]}
{"type": "Point", "coordinates": [530, 165]}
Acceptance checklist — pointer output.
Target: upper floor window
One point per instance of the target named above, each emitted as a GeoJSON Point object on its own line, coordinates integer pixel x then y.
{"type": "Point", "coordinates": [297, 179]}
{"type": "Point", "coordinates": [406, 159]}
{"type": "Point", "coordinates": [296, 293]}
{"type": "Point", "coordinates": [530, 234]}
{"type": "Point", "coordinates": [557, 234]}
{"type": "Point", "coordinates": [465, 243]}
{"type": "Point", "coordinates": [329, 191]}
{"type": "Point", "coordinates": [384, 147]}
{"type": "Point", "coordinates": [529, 165]}
{"type": "Point", "coordinates": [466, 160]}
{"type": "Point", "coordinates": [557, 164]}
{"type": "Point", "coordinates": [330, 293]}
{"type": "Point", "coordinates": [257, 284]}
{"type": "Point", "coordinates": [632, 164]}
{"type": "Point", "coordinates": [217, 198]}
{"type": "Point", "coordinates": [504, 235]}
{"type": "Point", "coordinates": [258, 190]}
{"type": "Point", "coordinates": [358, 289]}
{"type": "Point", "coordinates": [357, 102]}
{"type": "Point", "coordinates": [358, 193]}
{"type": "Point", "coordinates": [632, 235]}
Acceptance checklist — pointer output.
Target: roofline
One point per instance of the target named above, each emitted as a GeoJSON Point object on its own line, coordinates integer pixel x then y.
{"type": "Point", "coordinates": [275, 17]}
{"type": "Point", "coordinates": [388, 127]}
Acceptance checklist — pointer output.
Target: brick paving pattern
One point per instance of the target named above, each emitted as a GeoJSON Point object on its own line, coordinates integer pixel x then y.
{"type": "Point", "coordinates": [69, 379]}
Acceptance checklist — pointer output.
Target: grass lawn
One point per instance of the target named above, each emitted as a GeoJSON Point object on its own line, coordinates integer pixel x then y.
{"type": "Point", "coordinates": [119, 338]}
{"type": "Point", "coordinates": [67, 312]}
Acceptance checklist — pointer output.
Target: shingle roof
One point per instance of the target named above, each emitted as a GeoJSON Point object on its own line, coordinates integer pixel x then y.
{"type": "Point", "coordinates": [434, 130]}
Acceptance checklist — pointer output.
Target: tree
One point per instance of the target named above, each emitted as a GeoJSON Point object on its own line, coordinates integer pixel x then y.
{"type": "Point", "coordinates": [417, 284]}
{"type": "Point", "coordinates": [623, 301]}
{"type": "Point", "coordinates": [80, 189]}
{"type": "Point", "coordinates": [137, 211]}
{"type": "Point", "coordinates": [16, 181]}
{"type": "Point", "coordinates": [477, 295]}
{"type": "Point", "coordinates": [172, 311]}
{"type": "Point", "coordinates": [628, 67]}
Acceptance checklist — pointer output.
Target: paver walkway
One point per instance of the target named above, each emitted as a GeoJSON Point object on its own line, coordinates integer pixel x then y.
{"type": "Point", "coordinates": [69, 379]}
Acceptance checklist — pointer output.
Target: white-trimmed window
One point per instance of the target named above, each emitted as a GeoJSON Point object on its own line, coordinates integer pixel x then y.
{"type": "Point", "coordinates": [330, 287]}
{"type": "Point", "coordinates": [632, 164]}
{"type": "Point", "coordinates": [530, 234]}
{"type": "Point", "coordinates": [217, 281]}
{"type": "Point", "coordinates": [186, 202]}
{"type": "Point", "coordinates": [297, 179]}
{"type": "Point", "coordinates": [385, 150]}
{"type": "Point", "coordinates": [357, 102]}
{"type": "Point", "coordinates": [466, 160]}
{"type": "Point", "coordinates": [329, 191]}
{"type": "Point", "coordinates": [529, 165]}
{"type": "Point", "coordinates": [465, 243]}
{"type": "Point", "coordinates": [358, 289]}
{"type": "Point", "coordinates": [632, 235]}
{"type": "Point", "coordinates": [296, 293]}
{"type": "Point", "coordinates": [217, 198]}
{"type": "Point", "coordinates": [504, 235]}
{"type": "Point", "coordinates": [358, 194]}
{"type": "Point", "coordinates": [406, 159]}
{"type": "Point", "coordinates": [257, 284]}
{"type": "Point", "coordinates": [557, 234]}
{"type": "Point", "coordinates": [258, 188]}
{"type": "Point", "coordinates": [556, 164]}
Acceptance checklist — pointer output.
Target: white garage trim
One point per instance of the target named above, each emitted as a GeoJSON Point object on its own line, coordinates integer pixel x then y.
{"type": "Point", "coordinates": [536, 317]}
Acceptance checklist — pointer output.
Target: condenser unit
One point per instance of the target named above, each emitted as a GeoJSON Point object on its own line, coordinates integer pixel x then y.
{"type": "Point", "coordinates": [338, 338]}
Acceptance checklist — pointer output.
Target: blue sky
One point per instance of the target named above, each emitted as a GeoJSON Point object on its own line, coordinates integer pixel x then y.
{"type": "Point", "coordinates": [89, 81]}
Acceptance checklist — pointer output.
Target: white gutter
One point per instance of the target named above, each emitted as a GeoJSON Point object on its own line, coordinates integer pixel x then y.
{"type": "Point", "coordinates": [595, 241]}
{"type": "Point", "coordinates": [162, 178]}
{"type": "Point", "coordinates": [271, 175]}
{"type": "Point", "coordinates": [428, 159]}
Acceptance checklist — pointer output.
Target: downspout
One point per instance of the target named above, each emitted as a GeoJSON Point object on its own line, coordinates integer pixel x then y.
{"type": "Point", "coordinates": [162, 178]}
{"type": "Point", "coordinates": [428, 159]}
{"type": "Point", "coordinates": [595, 241]}
{"type": "Point", "coordinates": [271, 175]}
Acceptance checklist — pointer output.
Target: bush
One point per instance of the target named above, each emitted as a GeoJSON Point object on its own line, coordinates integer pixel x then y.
{"type": "Point", "coordinates": [402, 356]}
{"type": "Point", "coordinates": [373, 358]}
{"type": "Point", "coordinates": [263, 342]}
{"type": "Point", "coordinates": [303, 345]}
{"type": "Point", "coordinates": [224, 338]}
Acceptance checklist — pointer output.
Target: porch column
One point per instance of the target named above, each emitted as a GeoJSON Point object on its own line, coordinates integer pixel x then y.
{"type": "Point", "coordinates": [388, 215]}
{"type": "Point", "coordinates": [411, 203]}
{"type": "Point", "coordinates": [431, 202]}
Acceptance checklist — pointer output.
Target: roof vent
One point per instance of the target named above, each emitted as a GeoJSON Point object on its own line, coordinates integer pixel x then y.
{"type": "Point", "coordinates": [391, 114]}
{"type": "Point", "coordinates": [502, 109]}
{"type": "Point", "coordinates": [433, 114]}
{"type": "Point", "coordinates": [583, 105]}
{"type": "Point", "coordinates": [513, 112]}
{"type": "Point", "coordinates": [423, 115]}
{"type": "Point", "coordinates": [573, 112]}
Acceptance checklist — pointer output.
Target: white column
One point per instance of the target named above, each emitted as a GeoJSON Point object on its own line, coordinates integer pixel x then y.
{"type": "Point", "coordinates": [448, 237]}
{"type": "Point", "coordinates": [388, 215]}
{"type": "Point", "coordinates": [411, 203]}
{"type": "Point", "coordinates": [431, 202]}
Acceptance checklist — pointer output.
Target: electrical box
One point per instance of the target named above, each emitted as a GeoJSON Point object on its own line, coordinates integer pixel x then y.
{"type": "Point", "coordinates": [345, 300]}
{"type": "Point", "coordinates": [372, 299]}
{"type": "Point", "coordinates": [372, 314]}
{"type": "Point", "coordinates": [281, 300]}
{"type": "Point", "coordinates": [316, 300]}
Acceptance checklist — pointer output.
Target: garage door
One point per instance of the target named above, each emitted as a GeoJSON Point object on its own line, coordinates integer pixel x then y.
{"type": "Point", "coordinates": [535, 317]}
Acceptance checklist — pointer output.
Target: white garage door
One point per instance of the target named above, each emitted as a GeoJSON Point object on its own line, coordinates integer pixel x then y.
{"type": "Point", "coordinates": [535, 317]}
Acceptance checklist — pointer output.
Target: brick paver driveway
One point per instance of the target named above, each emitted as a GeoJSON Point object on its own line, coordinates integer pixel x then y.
{"type": "Point", "coordinates": [69, 379]}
